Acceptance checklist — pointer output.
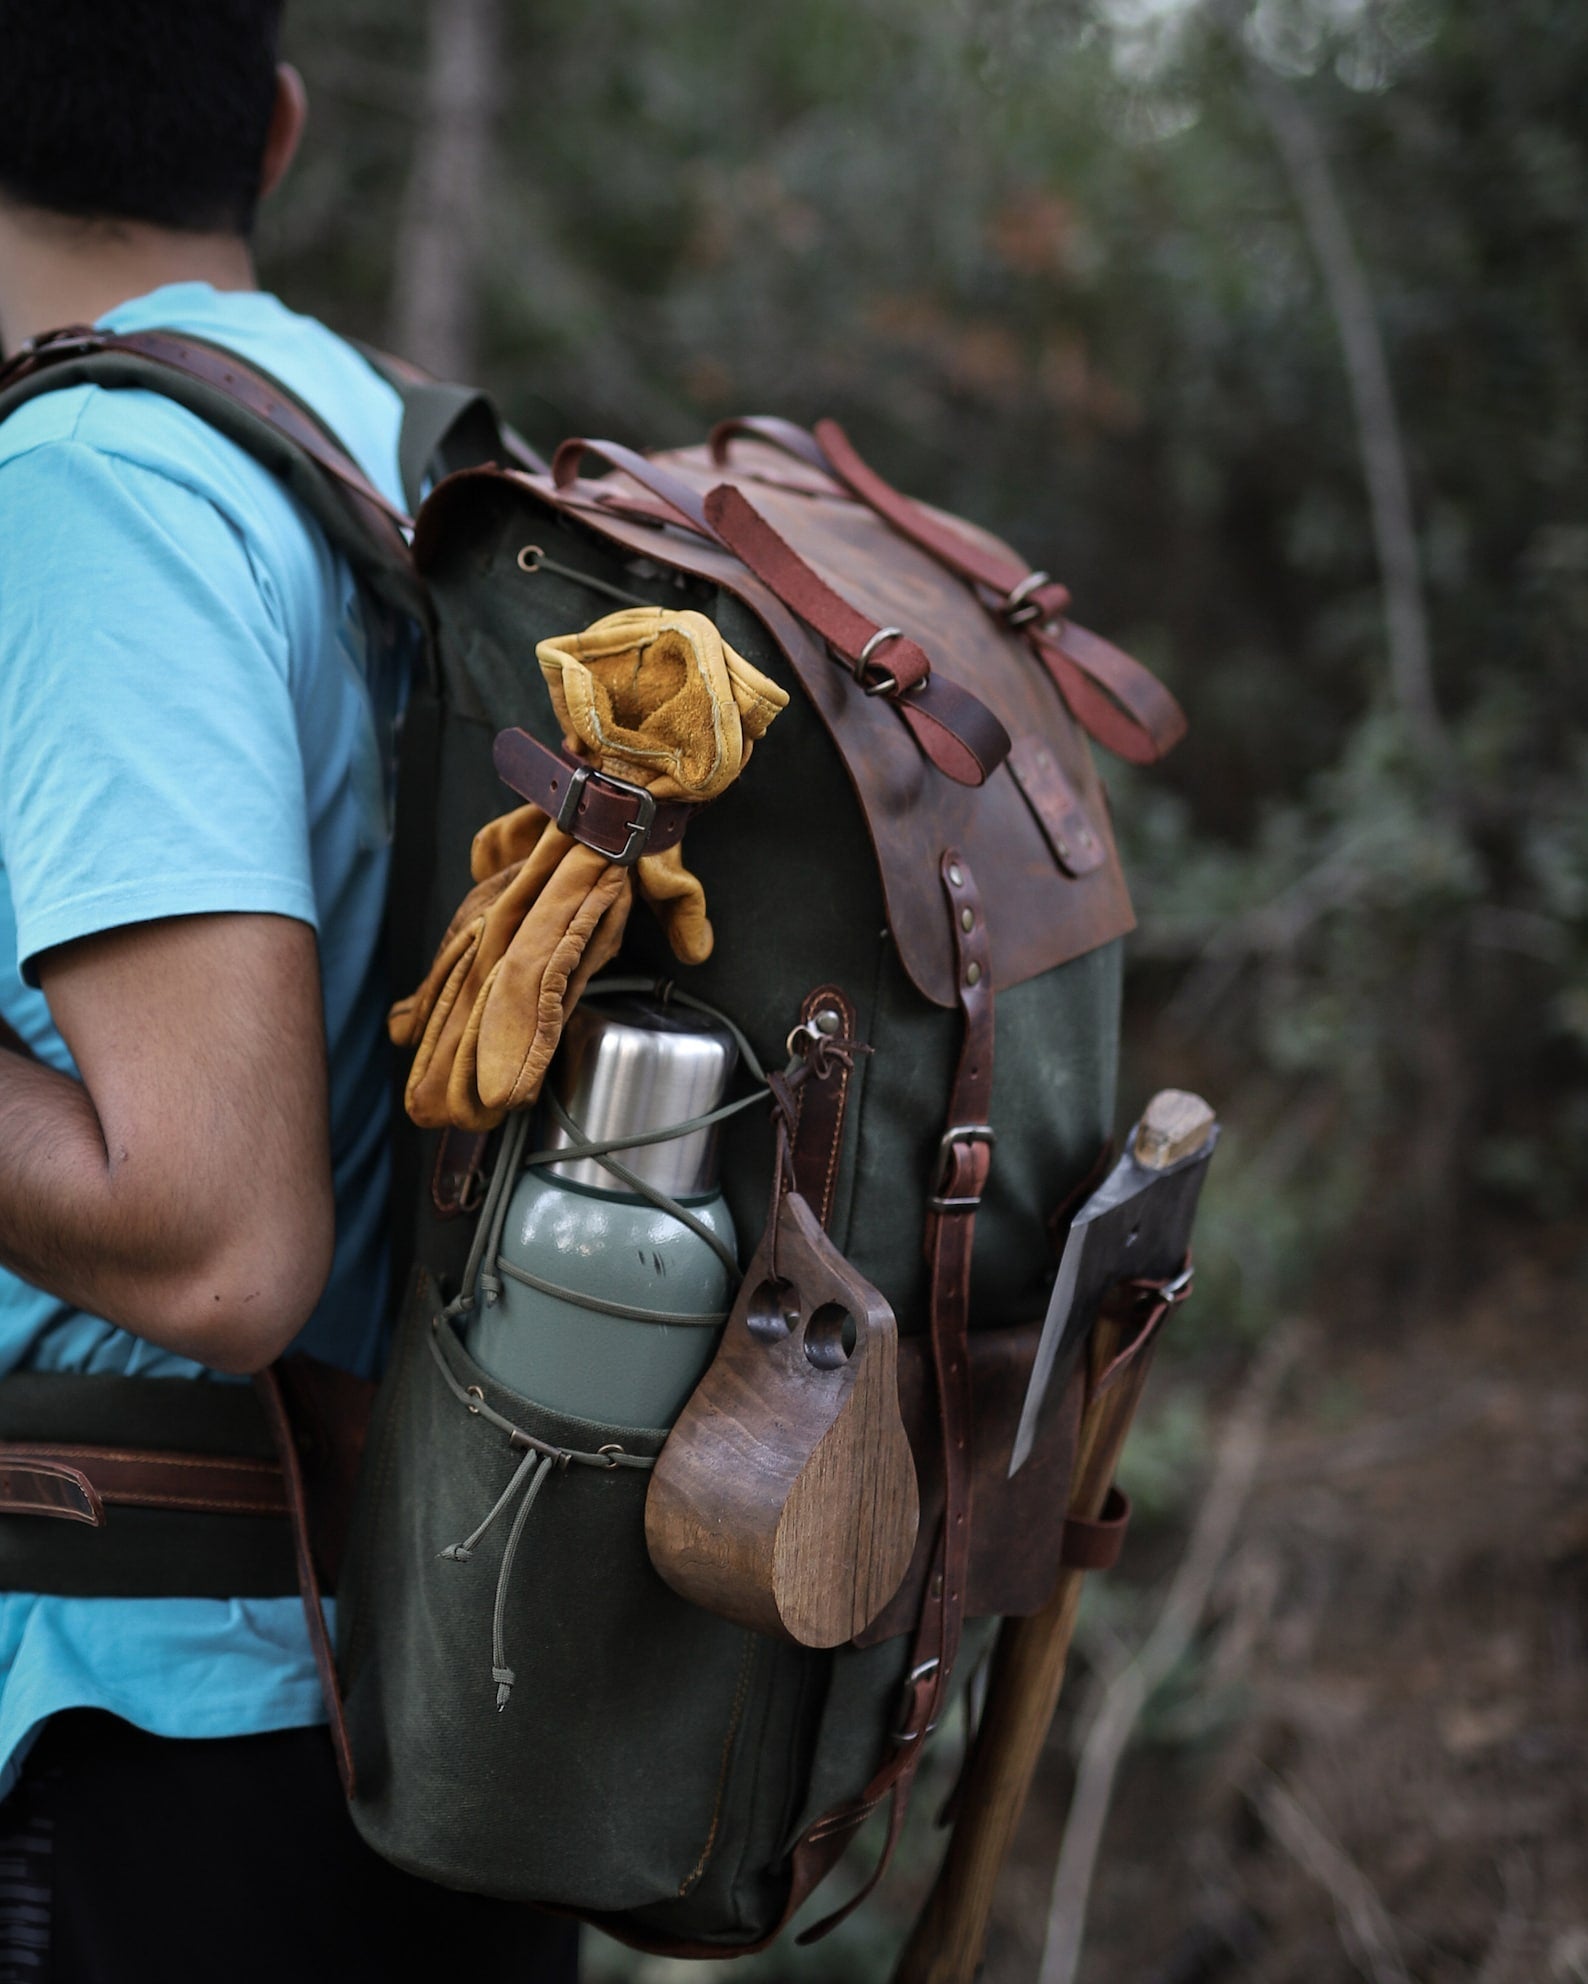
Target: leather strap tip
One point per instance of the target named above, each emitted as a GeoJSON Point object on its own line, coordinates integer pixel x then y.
{"type": "Point", "coordinates": [1095, 1544]}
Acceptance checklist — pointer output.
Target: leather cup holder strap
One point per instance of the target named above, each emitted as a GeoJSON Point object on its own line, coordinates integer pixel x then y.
{"type": "Point", "coordinates": [828, 1021]}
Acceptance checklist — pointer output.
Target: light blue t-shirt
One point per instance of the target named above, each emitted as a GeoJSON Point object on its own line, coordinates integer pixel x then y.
{"type": "Point", "coordinates": [196, 714]}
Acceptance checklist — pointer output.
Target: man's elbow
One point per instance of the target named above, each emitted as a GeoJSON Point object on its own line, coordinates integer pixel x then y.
{"type": "Point", "coordinates": [243, 1305]}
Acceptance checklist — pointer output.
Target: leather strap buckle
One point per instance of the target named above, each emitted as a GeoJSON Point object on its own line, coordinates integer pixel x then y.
{"type": "Point", "coordinates": [958, 1133]}
{"type": "Point", "coordinates": [920, 1672]}
{"type": "Point", "coordinates": [638, 828]}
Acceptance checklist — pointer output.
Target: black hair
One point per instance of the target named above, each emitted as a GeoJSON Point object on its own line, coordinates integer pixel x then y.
{"type": "Point", "coordinates": [144, 110]}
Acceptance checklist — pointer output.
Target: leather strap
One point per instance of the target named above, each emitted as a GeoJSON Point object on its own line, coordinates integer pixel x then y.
{"type": "Point", "coordinates": [1095, 1545]}
{"type": "Point", "coordinates": [41, 1485]}
{"type": "Point", "coordinates": [966, 1158]}
{"type": "Point", "coordinates": [828, 1018]}
{"type": "Point", "coordinates": [777, 432]}
{"type": "Point", "coordinates": [1114, 699]}
{"type": "Point", "coordinates": [616, 818]}
{"type": "Point", "coordinates": [134, 1477]}
{"type": "Point", "coordinates": [671, 491]}
{"type": "Point", "coordinates": [1056, 806]}
{"type": "Point", "coordinates": [267, 1387]}
{"type": "Point", "coordinates": [227, 373]}
{"type": "Point", "coordinates": [956, 731]}
{"type": "Point", "coordinates": [457, 1181]}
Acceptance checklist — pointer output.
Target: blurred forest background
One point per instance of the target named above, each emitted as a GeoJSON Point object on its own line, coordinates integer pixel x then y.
{"type": "Point", "coordinates": [1263, 327]}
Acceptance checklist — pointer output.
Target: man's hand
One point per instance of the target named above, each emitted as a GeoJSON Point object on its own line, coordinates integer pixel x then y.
{"type": "Point", "coordinates": [183, 1188]}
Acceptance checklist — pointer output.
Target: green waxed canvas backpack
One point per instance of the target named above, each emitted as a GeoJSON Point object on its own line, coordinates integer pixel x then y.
{"type": "Point", "coordinates": [678, 1778]}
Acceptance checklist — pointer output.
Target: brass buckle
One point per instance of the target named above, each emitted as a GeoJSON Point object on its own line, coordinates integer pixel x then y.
{"type": "Point", "coordinates": [638, 828]}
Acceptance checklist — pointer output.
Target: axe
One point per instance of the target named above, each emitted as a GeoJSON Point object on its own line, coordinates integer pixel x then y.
{"type": "Point", "coordinates": [1137, 1225]}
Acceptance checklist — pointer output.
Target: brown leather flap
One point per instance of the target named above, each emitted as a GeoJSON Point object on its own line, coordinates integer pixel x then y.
{"type": "Point", "coordinates": [1008, 831]}
{"type": "Point", "coordinates": [1017, 1527]}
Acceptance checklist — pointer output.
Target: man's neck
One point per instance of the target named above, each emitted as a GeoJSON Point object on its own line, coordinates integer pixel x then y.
{"type": "Point", "coordinates": [55, 271]}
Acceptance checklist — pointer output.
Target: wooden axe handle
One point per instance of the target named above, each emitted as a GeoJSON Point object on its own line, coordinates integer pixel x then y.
{"type": "Point", "coordinates": [1029, 1661]}
{"type": "Point", "coordinates": [1022, 1693]}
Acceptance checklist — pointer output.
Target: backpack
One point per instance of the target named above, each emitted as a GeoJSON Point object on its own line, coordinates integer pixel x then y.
{"type": "Point", "coordinates": [916, 884]}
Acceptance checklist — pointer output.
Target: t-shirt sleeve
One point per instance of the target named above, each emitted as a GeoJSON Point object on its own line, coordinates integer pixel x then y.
{"type": "Point", "coordinates": [150, 762]}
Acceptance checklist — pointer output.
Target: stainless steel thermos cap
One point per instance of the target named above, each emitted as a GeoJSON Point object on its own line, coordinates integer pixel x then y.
{"type": "Point", "coordinates": [627, 1065]}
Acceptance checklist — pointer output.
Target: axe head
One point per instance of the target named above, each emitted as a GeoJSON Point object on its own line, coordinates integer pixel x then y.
{"type": "Point", "coordinates": [1136, 1224]}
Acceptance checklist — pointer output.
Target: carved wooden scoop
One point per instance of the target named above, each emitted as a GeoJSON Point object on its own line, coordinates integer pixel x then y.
{"type": "Point", "coordinates": [785, 1497]}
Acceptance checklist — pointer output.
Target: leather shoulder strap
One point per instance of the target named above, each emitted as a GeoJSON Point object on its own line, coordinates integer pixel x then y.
{"type": "Point", "coordinates": [250, 408]}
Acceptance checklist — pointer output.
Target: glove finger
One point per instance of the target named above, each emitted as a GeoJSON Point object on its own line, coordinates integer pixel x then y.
{"type": "Point", "coordinates": [575, 928]}
{"type": "Point", "coordinates": [679, 903]}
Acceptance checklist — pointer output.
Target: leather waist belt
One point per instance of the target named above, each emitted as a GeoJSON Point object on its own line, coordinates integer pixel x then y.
{"type": "Point", "coordinates": [75, 1483]}
{"type": "Point", "coordinates": [617, 819]}
{"type": "Point", "coordinates": [116, 1487]}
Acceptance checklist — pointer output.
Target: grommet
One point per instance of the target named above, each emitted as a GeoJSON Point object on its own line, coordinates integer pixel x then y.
{"type": "Point", "coordinates": [956, 874]}
{"type": "Point", "coordinates": [973, 973]}
{"type": "Point", "coordinates": [827, 1021]}
{"type": "Point", "coordinates": [529, 558]}
{"type": "Point", "coordinates": [967, 919]}
{"type": "Point", "coordinates": [475, 1392]}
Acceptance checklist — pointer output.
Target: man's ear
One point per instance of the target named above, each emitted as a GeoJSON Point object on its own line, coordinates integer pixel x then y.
{"type": "Point", "coordinates": [288, 115]}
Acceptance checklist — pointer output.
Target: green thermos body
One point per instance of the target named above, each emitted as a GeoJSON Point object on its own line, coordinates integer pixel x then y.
{"type": "Point", "coordinates": [610, 1307]}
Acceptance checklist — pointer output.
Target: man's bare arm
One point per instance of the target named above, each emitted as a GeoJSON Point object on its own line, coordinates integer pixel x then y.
{"type": "Point", "coordinates": [183, 1188]}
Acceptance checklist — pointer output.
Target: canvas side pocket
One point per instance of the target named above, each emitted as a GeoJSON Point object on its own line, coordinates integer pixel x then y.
{"type": "Point", "coordinates": [592, 1775]}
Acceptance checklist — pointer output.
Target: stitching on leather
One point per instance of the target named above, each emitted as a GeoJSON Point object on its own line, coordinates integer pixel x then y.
{"type": "Point", "coordinates": [231, 1463]}
{"type": "Point", "coordinates": [740, 1696]}
{"type": "Point", "coordinates": [200, 1503]}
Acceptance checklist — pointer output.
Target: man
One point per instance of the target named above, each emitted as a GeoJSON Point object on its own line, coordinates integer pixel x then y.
{"type": "Point", "coordinates": [195, 741]}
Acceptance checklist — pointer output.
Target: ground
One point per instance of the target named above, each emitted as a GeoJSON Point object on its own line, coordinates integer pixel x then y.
{"type": "Point", "coordinates": [1376, 1765]}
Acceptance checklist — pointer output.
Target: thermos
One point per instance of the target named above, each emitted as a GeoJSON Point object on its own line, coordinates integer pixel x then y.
{"type": "Point", "coordinates": [611, 1307]}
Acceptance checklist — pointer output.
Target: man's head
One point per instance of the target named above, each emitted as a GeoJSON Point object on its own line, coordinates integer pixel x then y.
{"type": "Point", "coordinates": [168, 113]}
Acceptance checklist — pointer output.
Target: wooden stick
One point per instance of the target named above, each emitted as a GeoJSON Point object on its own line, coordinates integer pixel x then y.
{"type": "Point", "coordinates": [1023, 1691]}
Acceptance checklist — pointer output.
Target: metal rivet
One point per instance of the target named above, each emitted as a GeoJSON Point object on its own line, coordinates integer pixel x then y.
{"type": "Point", "coordinates": [973, 973]}
{"type": "Point", "coordinates": [827, 1021]}
{"type": "Point", "coordinates": [1063, 846]}
{"type": "Point", "coordinates": [967, 919]}
{"type": "Point", "coordinates": [1086, 839]}
{"type": "Point", "coordinates": [956, 874]}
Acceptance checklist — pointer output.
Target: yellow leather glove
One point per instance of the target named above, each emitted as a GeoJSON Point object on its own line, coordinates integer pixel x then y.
{"type": "Point", "coordinates": [654, 697]}
{"type": "Point", "coordinates": [544, 915]}
{"type": "Point", "coordinates": [659, 698]}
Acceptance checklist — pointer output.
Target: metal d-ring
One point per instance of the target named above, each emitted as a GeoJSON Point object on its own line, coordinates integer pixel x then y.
{"type": "Point", "coordinates": [1018, 606]}
{"type": "Point", "coordinates": [886, 684]}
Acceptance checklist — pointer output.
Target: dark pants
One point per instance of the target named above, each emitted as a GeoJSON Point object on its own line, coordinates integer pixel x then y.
{"type": "Point", "coordinates": [134, 1859]}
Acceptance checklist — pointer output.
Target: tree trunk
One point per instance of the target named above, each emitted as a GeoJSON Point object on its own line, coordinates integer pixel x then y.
{"type": "Point", "coordinates": [441, 231]}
